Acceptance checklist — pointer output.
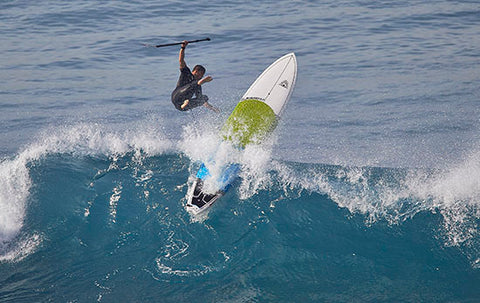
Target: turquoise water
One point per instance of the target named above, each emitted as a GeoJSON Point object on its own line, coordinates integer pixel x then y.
{"type": "Point", "coordinates": [367, 192]}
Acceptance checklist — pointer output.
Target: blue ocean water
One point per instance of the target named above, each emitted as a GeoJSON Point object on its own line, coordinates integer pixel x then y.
{"type": "Point", "coordinates": [368, 191]}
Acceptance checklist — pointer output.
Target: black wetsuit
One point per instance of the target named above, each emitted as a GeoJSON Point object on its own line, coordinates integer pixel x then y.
{"type": "Point", "coordinates": [187, 86]}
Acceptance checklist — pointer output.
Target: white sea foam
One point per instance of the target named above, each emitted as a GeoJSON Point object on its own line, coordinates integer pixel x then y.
{"type": "Point", "coordinates": [21, 249]}
{"type": "Point", "coordinates": [80, 140]}
{"type": "Point", "coordinates": [455, 192]}
{"type": "Point", "coordinates": [393, 195]}
{"type": "Point", "coordinates": [114, 198]}
{"type": "Point", "coordinates": [174, 251]}
{"type": "Point", "coordinates": [14, 186]}
{"type": "Point", "coordinates": [396, 195]}
{"type": "Point", "coordinates": [256, 160]}
{"type": "Point", "coordinates": [205, 145]}
{"type": "Point", "coordinates": [199, 143]}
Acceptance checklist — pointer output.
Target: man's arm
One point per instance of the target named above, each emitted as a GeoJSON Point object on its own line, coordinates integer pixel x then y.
{"type": "Point", "coordinates": [181, 55]}
{"type": "Point", "coordinates": [205, 80]}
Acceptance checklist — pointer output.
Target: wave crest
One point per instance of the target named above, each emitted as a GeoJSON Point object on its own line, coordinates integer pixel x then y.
{"type": "Point", "coordinates": [78, 140]}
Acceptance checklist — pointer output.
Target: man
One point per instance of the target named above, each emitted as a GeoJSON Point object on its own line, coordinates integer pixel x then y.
{"type": "Point", "coordinates": [190, 83]}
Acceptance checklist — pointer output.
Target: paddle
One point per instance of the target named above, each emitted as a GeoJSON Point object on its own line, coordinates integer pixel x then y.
{"type": "Point", "coordinates": [177, 43]}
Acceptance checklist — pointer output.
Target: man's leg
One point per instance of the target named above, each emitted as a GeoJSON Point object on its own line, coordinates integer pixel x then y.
{"type": "Point", "coordinates": [185, 104]}
{"type": "Point", "coordinates": [194, 102]}
{"type": "Point", "coordinates": [180, 97]}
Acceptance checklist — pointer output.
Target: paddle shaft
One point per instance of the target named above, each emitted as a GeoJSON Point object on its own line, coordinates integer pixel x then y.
{"type": "Point", "coordinates": [178, 43]}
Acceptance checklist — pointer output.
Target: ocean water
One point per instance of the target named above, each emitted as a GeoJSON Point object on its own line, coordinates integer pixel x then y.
{"type": "Point", "coordinates": [368, 191]}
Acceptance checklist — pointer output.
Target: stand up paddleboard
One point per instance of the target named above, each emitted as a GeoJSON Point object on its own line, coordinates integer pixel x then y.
{"type": "Point", "coordinates": [252, 120]}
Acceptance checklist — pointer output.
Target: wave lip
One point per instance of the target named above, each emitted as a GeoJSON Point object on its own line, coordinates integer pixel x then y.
{"type": "Point", "coordinates": [78, 140]}
{"type": "Point", "coordinates": [14, 189]}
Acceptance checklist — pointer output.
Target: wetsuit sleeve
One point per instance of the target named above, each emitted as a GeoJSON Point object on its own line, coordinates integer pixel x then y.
{"type": "Point", "coordinates": [185, 76]}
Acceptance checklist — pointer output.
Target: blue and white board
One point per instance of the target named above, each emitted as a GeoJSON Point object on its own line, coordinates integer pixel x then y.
{"type": "Point", "coordinates": [252, 120]}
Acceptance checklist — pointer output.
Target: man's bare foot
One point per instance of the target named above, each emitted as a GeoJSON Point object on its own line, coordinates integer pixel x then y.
{"type": "Point", "coordinates": [209, 106]}
{"type": "Point", "coordinates": [185, 103]}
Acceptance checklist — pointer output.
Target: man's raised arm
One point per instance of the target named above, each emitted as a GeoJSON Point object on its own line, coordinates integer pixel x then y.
{"type": "Point", "coordinates": [181, 55]}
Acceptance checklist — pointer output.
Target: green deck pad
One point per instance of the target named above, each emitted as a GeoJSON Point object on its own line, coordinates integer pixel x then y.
{"type": "Point", "coordinates": [250, 122]}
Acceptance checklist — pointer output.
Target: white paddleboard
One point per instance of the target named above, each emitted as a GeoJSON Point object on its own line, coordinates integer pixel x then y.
{"type": "Point", "coordinates": [275, 85]}
{"type": "Point", "coordinates": [254, 117]}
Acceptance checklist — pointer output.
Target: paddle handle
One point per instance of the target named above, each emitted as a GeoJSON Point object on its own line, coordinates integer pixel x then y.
{"type": "Point", "coordinates": [178, 43]}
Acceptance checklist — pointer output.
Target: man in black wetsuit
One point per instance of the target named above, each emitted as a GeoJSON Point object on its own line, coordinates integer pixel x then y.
{"type": "Point", "coordinates": [190, 83]}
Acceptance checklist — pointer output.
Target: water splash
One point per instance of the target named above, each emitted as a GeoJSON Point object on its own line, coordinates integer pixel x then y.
{"type": "Point", "coordinates": [78, 140]}
{"type": "Point", "coordinates": [396, 195]}
{"type": "Point", "coordinates": [14, 186]}
{"type": "Point", "coordinates": [204, 145]}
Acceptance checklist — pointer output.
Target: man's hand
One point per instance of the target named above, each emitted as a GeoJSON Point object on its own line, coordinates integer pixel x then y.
{"type": "Point", "coordinates": [184, 43]}
{"type": "Point", "coordinates": [205, 80]}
